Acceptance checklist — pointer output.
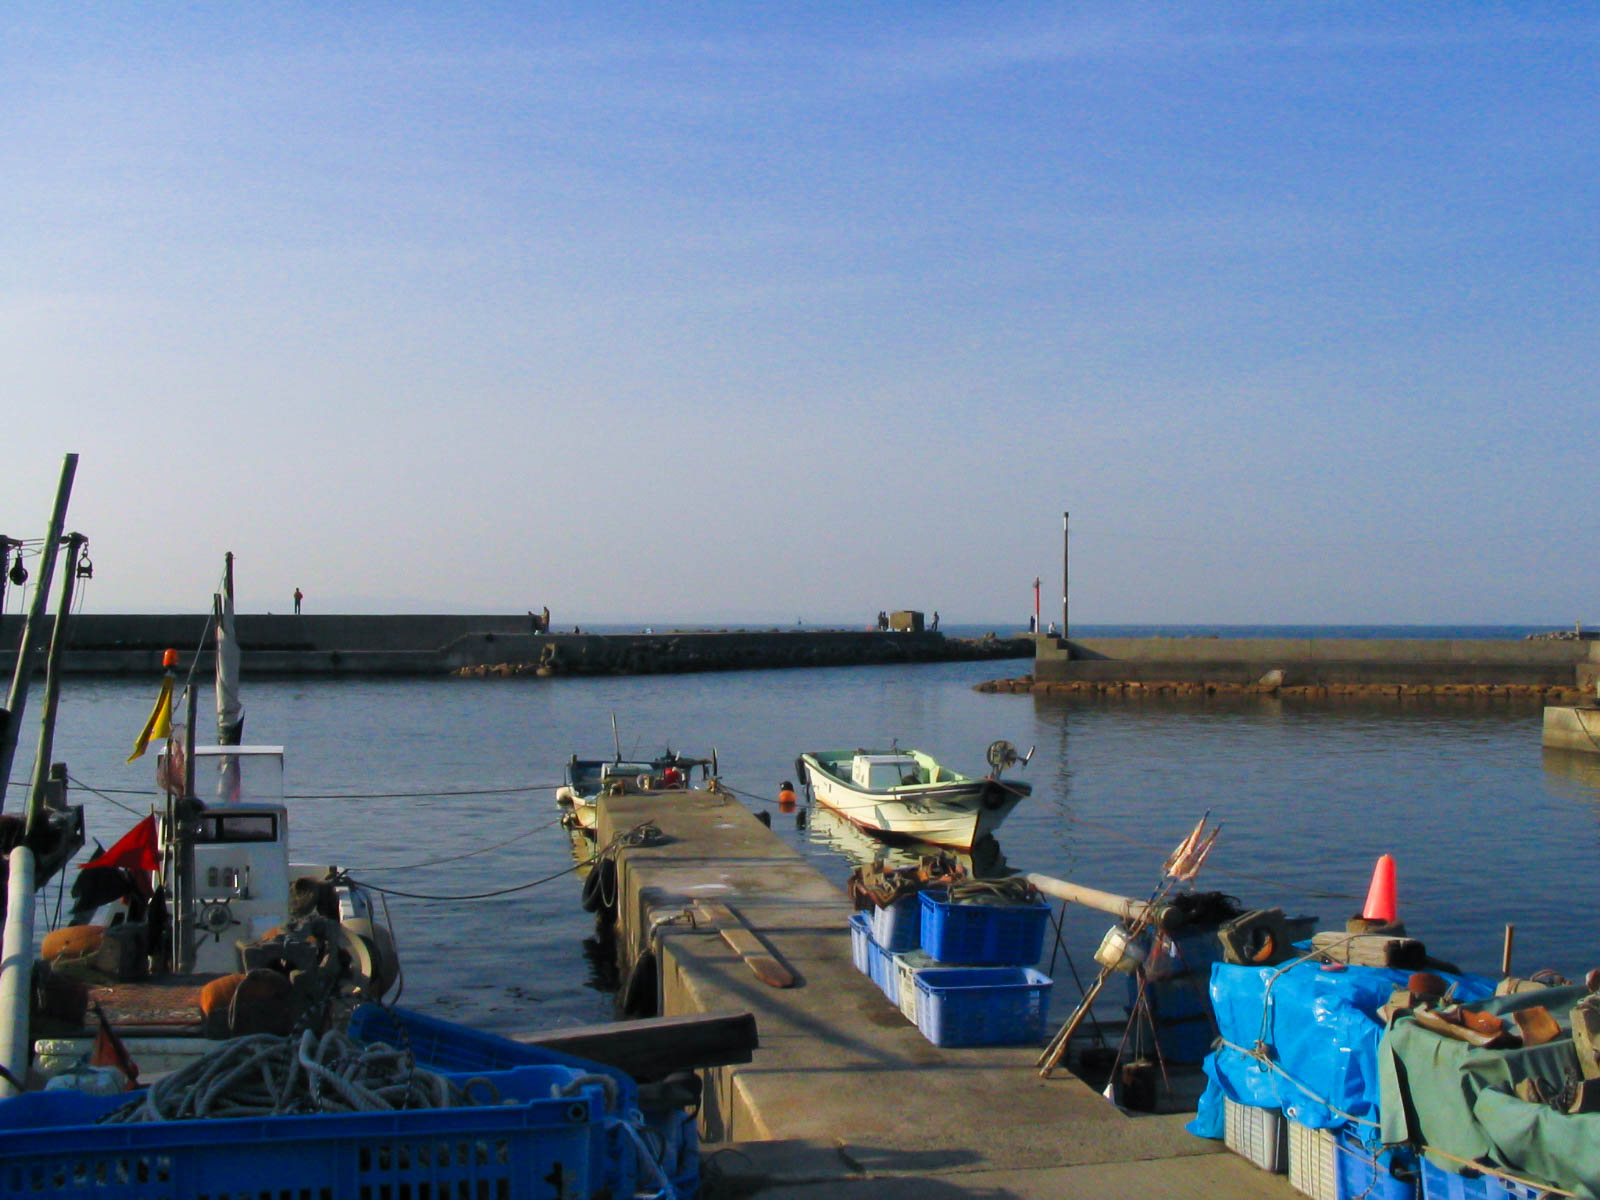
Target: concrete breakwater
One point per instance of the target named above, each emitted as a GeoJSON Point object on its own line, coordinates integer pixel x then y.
{"type": "Point", "coordinates": [670, 653]}
{"type": "Point", "coordinates": [476, 645]}
{"type": "Point", "coordinates": [1316, 665]}
{"type": "Point", "coordinates": [1515, 693]}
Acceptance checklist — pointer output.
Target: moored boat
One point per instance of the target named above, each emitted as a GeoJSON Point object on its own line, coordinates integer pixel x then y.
{"type": "Point", "coordinates": [195, 926]}
{"type": "Point", "coordinates": [908, 794]}
{"type": "Point", "coordinates": [585, 780]}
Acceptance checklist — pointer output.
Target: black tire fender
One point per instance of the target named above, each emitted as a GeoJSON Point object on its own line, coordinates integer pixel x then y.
{"type": "Point", "coordinates": [602, 881]}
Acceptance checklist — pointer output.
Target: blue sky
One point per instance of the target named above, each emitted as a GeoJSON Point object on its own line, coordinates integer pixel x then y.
{"type": "Point", "coordinates": [762, 311]}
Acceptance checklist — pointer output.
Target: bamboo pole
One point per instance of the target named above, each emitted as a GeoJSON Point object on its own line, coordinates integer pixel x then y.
{"type": "Point", "coordinates": [1124, 908]}
{"type": "Point", "coordinates": [52, 692]}
{"type": "Point", "coordinates": [27, 649]}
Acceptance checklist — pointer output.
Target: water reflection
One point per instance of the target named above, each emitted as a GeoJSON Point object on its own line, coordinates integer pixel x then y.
{"type": "Point", "coordinates": [827, 829]}
{"type": "Point", "coordinates": [1574, 766]}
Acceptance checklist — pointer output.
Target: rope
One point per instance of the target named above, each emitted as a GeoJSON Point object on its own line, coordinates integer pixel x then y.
{"type": "Point", "coordinates": [267, 1075]}
{"type": "Point", "coordinates": [470, 853]}
{"type": "Point", "coordinates": [106, 793]}
{"type": "Point", "coordinates": [646, 833]}
{"type": "Point", "coordinates": [1013, 890]}
{"type": "Point", "coordinates": [521, 887]}
{"type": "Point", "coordinates": [76, 782]}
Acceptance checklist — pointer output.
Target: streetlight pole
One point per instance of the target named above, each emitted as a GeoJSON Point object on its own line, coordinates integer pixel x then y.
{"type": "Point", "coordinates": [1066, 574]}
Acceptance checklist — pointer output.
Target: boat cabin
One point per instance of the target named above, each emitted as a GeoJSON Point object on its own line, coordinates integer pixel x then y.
{"type": "Point", "coordinates": [880, 772]}
{"type": "Point", "coordinates": [236, 883]}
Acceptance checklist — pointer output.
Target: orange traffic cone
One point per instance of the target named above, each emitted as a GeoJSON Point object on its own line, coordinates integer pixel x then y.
{"type": "Point", "coordinates": [1382, 904]}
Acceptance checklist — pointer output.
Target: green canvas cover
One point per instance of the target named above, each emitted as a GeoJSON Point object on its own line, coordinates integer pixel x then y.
{"type": "Point", "coordinates": [1438, 1092]}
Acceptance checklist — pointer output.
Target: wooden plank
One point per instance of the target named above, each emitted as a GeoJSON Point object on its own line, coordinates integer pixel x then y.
{"type": "Point", "coordinates": [744, 942]}
{"type": "Point", "coordinates": [656, 1047]}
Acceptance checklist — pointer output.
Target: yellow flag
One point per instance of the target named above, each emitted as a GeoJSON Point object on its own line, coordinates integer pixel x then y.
{"type": "Point", "coordinates": [160, 723]}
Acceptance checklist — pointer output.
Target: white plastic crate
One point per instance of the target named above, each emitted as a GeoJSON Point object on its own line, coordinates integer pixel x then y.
{"type": "Point", "coordinates": [1256, 1134]}
{"type": "Point", "coordinates": [1313, 1161]}
{"type": "Point", "coordinates": [906, 967]}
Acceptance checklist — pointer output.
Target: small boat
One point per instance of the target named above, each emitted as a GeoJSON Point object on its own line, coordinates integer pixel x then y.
{"type": "Point", "coordinates": [585, 780]}
{"type": "Point", "coordinates": [908, 794]}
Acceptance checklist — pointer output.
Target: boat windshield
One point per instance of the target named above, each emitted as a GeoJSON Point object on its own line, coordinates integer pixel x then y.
{"type": "Point", "coordinates": [239, 774]}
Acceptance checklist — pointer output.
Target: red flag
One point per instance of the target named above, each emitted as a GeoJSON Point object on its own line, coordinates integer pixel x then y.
{"type": "Point", "coordinates": [136, 849]}
{"type": "Point", "coordinates": [109, 1051]}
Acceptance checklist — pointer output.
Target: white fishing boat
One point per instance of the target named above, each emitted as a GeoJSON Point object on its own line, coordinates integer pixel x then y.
{"type": "Point", "coordinates": [901, 793]}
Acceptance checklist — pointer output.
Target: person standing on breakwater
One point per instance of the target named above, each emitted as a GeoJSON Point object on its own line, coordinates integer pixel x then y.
{"type": "Point", "coordinates": [936, 620]}
{"type": "Point", "coordinates": [298, 596]}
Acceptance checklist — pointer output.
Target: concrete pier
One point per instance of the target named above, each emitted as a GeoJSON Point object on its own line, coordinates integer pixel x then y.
{"type": "Point", "coordinates": [845, 1097]}
{"type": "Point", "coordinates": [1572, 727]}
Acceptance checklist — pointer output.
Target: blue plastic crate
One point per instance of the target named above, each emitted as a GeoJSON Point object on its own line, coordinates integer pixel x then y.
{"type": "Point", "coordinates": [860, 938]}
{"type": "Point", "coordinates": [872, 959]}
{"type": "Point", "coordinates": [446, 1046]}
{"type": "Point", "coordinates": [897, 927]}
{"type": "Point", "coordinates": [1001, 935]}
{"type": "Point", "coordinates": [537, 1148]}
{"type": "Point", "coordinates": [1365, 1175]}
{"type": "Point", "coordinates": [1439, 1184]}
{"type": "Point", "coordinates": [982, 1006]}
{"type": "Point", "coordinates": [441, 1045]}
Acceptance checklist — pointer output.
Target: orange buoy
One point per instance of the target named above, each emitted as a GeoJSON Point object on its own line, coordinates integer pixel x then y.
{"type": "Point", "coordinates": [786, 798]}
{"type": "Point", "coordinates": [72, 941]}
{"type": "Point", "coordinates": [1382, 903]}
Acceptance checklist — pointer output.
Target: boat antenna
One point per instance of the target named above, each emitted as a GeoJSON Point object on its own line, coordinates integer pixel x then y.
{"type": "Point", "coordinates": [616, 739]}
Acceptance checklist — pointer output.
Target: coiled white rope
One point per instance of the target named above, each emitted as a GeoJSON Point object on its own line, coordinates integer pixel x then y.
{"type": "Point", "coordinates": [267, 1075]}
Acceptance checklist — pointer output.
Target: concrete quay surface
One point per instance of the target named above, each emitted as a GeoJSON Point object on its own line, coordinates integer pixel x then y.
{"type": "Point", "coordinates": [845, 1097]}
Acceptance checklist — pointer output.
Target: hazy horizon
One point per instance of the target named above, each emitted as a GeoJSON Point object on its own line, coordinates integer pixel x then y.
{"type": "Point", "coordinates": [797, 312]}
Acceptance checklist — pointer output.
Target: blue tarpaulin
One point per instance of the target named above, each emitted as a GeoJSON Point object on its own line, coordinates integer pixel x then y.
{"type": "Point", "coordinates": [1319, 1030]}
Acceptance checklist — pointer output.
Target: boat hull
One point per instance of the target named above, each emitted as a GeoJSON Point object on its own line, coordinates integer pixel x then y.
{"type": "Point", "coordinates": [954, 815]}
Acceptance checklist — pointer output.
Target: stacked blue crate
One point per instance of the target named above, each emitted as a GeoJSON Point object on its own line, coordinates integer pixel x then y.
{"type": "Point", "coordinates": [987, 935]}
{"type": "Point", "coordinates": [980, 989]}
{"type": "Point", "coordinates": [672, 1143]}
{"type": "Point", "coordinates": [51, 1146]}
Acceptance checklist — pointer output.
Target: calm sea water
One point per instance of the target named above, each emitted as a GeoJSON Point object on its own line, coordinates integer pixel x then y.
{"type": "Point", "coordinates": [1485, 826]}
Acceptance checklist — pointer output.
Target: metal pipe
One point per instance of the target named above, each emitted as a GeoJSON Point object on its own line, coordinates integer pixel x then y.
{"type": "Point", "coordinates": [16, 972]}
